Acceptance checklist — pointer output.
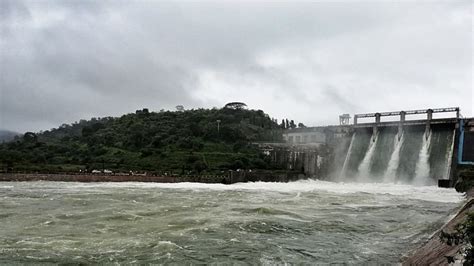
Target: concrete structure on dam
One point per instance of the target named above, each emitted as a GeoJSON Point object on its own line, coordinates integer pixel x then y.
{"type": "Point", "coordinates": [421, 151]}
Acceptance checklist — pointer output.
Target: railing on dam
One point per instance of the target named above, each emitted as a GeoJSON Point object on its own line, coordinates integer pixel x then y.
{"type": "Point", "coordinates": [408, 122]}
{"type": "Point", "coordinates": [403, 114]}
{"type": "Point", "coordinates": [403, 122]}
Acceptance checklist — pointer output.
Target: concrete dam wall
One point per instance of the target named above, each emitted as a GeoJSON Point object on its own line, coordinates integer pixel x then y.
{"type": "Point", "coordinates": [419, 152]}
{"type": "Point", "coordinates": [416, 156]}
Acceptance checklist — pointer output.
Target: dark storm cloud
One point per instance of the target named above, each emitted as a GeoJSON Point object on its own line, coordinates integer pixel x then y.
{"type": "Point", "coordinates": [66, 60]}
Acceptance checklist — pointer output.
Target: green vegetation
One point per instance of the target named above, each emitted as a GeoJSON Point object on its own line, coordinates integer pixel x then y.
{"type": "Point", "coordinates": [464, 233]}
{"type": "Point", "coordinates": [202, 141]}
{"type": "Point", "coordinates": [465, 178]}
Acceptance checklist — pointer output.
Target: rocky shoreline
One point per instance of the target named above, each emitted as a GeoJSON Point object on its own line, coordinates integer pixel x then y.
{"type": "Point", "coordinates": [437, 252]}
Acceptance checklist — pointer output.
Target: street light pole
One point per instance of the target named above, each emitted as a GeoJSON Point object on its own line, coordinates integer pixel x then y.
{"type": "Point", "coordinates": [218, 126]}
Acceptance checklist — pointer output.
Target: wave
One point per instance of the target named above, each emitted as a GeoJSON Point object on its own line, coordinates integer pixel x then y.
{"type": "Point", "coordinates": [427, 193]}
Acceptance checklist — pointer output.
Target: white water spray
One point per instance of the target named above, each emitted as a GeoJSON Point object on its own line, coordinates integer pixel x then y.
{"type": "Point", "coordinates": [422, 171]}
{"type": "Point", "coordinates": [364, 167]}
{"type": "Point", "coordinates": [348, 155]}
{"type": "Point", "coordinates": [449, 157]}
{"type": "Point", "coordinates": [391, 172]}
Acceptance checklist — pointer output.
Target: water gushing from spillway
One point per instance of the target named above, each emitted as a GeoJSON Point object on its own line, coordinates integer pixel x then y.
{"type": "Point", "coordinates": [449, 158]}
{"type": "Point", "coordinates": [422, 171]}
{"type": "Point", "coordinates": [417, 156]}
{"type": "Point", "coordinates": [391, 172]}
{"type": "Point", "coordinates": [346, 160]}
{"type": "Point", "coordinates": [364, 167]}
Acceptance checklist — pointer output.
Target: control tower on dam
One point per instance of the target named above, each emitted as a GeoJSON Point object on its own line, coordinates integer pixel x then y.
{"type": "Point", "coordinates": [424, 151]}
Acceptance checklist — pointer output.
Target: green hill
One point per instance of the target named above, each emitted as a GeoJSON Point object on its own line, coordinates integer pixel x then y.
{"type": "Point", "coordinates": [191, 141]}
{"type": "Point", "coordinates": [6, 135]}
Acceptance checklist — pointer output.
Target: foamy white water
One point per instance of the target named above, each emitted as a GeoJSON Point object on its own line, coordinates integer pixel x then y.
{"type": "Point", "coordinates": [428, 193]}
{"type": "Point", "coordinates": [348, 156]}
{"type": "Point", "coordinates": [364, 167]}
{"type": "Point", "coordinates": [305, 222]}
{"type": "Point", "coordinates": [422, 171]}
{"type": "Point", "coordinates": [449, 156]}
{"type": "Point", "coordinates": [391, 172]}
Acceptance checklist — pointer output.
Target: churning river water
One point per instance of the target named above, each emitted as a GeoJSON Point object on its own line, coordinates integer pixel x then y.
{"type": "Point", "coordinates": [257, 223]}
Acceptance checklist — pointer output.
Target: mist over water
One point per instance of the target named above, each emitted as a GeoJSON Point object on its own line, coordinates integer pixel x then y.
{"type": "Point", "coordinates": [257, 223]}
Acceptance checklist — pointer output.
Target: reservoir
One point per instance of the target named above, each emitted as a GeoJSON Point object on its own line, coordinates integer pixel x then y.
{"type": "Point", "coordinates": [306, 221]}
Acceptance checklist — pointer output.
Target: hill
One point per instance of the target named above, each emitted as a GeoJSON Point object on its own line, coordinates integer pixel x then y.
{"type": "Point", "coordinates": [191, 141]}
{"type": "Point", "coordinates": [6, 135]}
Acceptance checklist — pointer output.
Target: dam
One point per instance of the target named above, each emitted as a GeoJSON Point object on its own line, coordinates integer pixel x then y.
{"type": "Point", "coordinates": [420, 152]}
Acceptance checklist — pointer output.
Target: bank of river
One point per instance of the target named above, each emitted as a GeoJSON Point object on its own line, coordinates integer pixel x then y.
{"type": "Point", "coordinates": [86, 178]}
{"type": "Point", "coordinates": [227, 178]}
{"type": "Point", "coordinates": [435, 251]}
{"type": "Point", "coordinates": [256, 223]}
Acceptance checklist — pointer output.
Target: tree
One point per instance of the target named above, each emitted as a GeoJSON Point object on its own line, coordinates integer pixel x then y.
{"type": "Point", "coordinates": [292, 124]}
{"type": "Point", "coordinates": [199, 166]}
{"type": "Point", "coordinates": [287, 123]}
{"type": "Point", "coordinates": [283, 125]}
{"type": "Point", "coordinates": [301, 125]}
{"type": "Point", "coordinates": [235, 105]}
{"type": "Point", "coordinates": [237, 164]}
{"type": "Point", "coordinates": [143, 112]}
{"type": "Point", "coordinates": [30, 137]}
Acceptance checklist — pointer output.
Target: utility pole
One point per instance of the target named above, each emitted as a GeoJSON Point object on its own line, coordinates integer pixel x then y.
{"type": "Point", "coordinates": [218, 126]}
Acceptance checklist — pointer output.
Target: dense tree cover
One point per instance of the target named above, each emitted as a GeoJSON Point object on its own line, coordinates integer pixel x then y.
{"type": "Point", "coordinates": [188, 141]}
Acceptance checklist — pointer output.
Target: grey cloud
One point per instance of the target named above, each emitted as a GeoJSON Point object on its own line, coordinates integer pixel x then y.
{"type": "Point", "coordinates": [11, 10]}
{"type": "Point", "coordinates": [66, 60]}
{"type": "Point", "coordinates": [332, 95]}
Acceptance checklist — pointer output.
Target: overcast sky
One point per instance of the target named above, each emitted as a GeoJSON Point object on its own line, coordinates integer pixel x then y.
{"type": "Point", "coordinates": [61, 61]}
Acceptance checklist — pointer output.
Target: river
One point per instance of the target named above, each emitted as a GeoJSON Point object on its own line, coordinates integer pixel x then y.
{"type": "Point", "coordinates": [255, 223]}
